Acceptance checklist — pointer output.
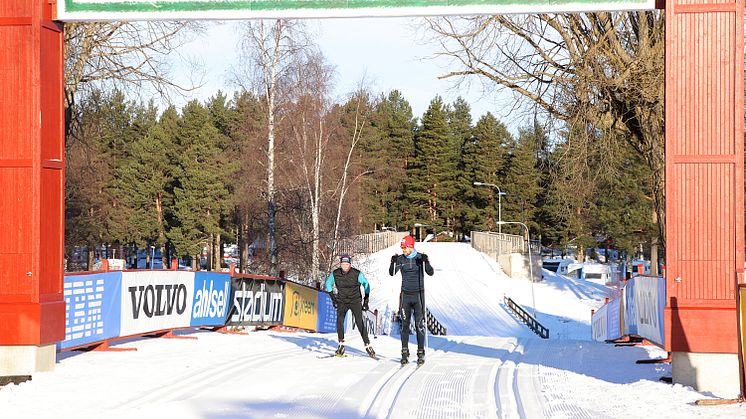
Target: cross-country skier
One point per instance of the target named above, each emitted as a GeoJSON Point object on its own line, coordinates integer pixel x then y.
{"type": "Point", "coordinates": [413, 266]}
{"type": "Point", "coordinates": [348, 281]}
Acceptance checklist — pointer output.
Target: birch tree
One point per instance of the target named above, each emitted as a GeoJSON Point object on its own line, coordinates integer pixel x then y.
{"type": "Point", "coordinates": [268, 51]}
{"type": "Point", "coordinates": [309, 136]}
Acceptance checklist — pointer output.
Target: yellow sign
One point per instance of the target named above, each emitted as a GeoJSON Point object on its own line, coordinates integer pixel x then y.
{"type": "Point", "coordinates": [300, 307]}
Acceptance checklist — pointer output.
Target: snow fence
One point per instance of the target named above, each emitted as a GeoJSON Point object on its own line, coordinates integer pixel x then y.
{"type": "Point", "coordinates": [637, 312]}
{"type": "Point", "coordinates": [103, 306]}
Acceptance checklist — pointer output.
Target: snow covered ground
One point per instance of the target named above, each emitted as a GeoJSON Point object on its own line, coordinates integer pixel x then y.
{"type": "Point", "coordinates": [489, 365]}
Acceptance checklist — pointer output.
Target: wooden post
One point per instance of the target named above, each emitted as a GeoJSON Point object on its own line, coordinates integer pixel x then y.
{"type": "Point", "coordinates": [32, 308]}
{"type": "Point", "coordinates": [704, 187]}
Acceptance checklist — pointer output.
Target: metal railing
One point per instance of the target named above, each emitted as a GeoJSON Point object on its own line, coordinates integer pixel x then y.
{"type": "Point", "coordinates": [496, 244]}
{"type": "Point", "coordinates": [369, 243]}
{"type": "Point", "coordinates": [433, 325]}
{"type": "Point", "coordinates": [527, 319]}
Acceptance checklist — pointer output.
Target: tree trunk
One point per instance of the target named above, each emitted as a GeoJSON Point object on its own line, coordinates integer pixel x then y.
{"type": "Point", "coordinates": [161, 228]}
{"type": "Point", "coordinates": [243, 244]}
{"type": "Point", "coordinates": [356, 134]}
{"type": "Point", "coordinates": [218, 253]}
{"type": "Point", "coordinates": [271, 95]}
{"type": "Point", "coordinates": [654, 246]}
{"type": "Point", "coordinates": [89, 262]}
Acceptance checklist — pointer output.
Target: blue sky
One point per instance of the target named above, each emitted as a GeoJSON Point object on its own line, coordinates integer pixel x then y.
{"type": "Point", "coordinates": [384, 51]}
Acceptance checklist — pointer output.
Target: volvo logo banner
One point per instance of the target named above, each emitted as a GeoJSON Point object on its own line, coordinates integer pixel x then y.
{"type": "Point", "coordinates": [156, 300]}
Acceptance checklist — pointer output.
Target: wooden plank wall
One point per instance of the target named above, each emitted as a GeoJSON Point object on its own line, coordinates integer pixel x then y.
{"type": "Point", "coordinates": [704, 173]}
{"type": "Point", "coordinates": [32, 309]}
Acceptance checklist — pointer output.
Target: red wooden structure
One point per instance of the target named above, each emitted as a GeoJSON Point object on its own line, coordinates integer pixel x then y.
{"type": "Point", "coordinates": [32, 309]}
{"type": "Point", "coordinates": [704, 173]}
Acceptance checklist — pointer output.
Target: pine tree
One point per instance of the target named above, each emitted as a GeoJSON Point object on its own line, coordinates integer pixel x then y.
{"type": "Point", "coordinates": [461, 133]}
{"type": "Point", "coordinates": [385, 152]}
{"type": "Point", "coordinates": [201, 194]}
{"type": "Point", "coordinates": [431, 174]}
{"type": "Point", "coordinates": [247, 125]}
{"type": "Point", "coordinates": [143, 182]}
{"type": "Point", "coordinates": [485, 160]}
{"type": "Point", "coordinates": [523, 179]}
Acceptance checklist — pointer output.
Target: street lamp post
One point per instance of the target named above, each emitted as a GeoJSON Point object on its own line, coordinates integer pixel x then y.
{"type": "Point", "coordinates": [530, 263]}
{"type": "Point", "coordinates": [499, 204]}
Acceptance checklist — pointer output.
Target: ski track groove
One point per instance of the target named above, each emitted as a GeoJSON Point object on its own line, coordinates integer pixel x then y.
{"type": "Point", "coordinates": [203, 378]}
{"type": "Point", "coordinates": [560, 403]}
{"type": "Point", "coordinates": [526, 390]}
{"type": "Point", "coordinates": [402, 387]}
{"type": "Point", "coordinates": [378, 400]}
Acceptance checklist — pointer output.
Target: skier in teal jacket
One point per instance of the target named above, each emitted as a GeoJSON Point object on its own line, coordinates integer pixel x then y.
{"type": "Point", "coordinates": [348, 281]}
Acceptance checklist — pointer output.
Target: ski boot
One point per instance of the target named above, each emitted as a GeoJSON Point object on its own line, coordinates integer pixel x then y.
{"type": "Point", "coordinates": [370, 351]}
{"type": "Point", "coordinates": [340, 350]}
{"type": "Point", "coordinates": [420, 357]}
{"type": "Point", "coordinates": [404, 356]}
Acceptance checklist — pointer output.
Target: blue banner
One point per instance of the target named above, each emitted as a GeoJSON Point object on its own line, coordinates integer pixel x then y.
{"type": "Point", "coordinates": [327, 321]}
{"type": "Point", "coordinates": [211, 301]}
{"type": "Point", "coordinates": [662, 309]}
{"type": "Point", "coordinates": [93, 308]}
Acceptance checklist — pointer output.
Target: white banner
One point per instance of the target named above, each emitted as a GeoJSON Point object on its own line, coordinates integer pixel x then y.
{"type": "Point", "coordinates": [156, 300]}
{"type": "Point", "coordinates": [647, 313]}
{"type": "Point", "coordinates": [598, 327]}
{"type": "Point", "coordinates": [71, 10]}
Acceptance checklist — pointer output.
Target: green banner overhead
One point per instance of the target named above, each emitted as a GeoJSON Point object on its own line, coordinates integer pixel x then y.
{"type": "Point", "coordinates": [72, 10]}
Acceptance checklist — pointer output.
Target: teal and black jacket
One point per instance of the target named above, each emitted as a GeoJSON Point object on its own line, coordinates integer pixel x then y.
{"type": "Point", "coordinates": [348, 284]}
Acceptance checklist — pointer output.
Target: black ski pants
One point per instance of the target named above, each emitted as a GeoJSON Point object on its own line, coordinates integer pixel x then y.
{"type": "Point", "coordinates": [412, 302]}
{"type": "Point", "coordinates": [357, 313]}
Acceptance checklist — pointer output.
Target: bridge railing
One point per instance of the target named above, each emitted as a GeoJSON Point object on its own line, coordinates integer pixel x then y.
{"type": "Point", "coordinates": [527, 319]}
{"type": "Point", "coordinates": [368, 243]}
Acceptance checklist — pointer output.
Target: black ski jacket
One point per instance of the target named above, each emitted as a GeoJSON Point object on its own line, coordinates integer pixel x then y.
{"type": "Point", "coordinates": [412, 271]}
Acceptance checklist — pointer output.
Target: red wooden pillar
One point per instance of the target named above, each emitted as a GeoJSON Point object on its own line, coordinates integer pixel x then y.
{"type": "Point", "coordinates": [704, 187]}
{"type": "Point", "coordinates": [32, 309]}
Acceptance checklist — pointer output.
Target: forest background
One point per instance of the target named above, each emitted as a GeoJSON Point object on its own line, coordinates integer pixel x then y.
{"type": "Point", "coordinates": [286, 171]}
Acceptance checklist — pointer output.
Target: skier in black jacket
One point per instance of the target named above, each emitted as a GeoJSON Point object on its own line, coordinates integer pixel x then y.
{"type": "Point", "coordinates": [348, 281]}
{"type": "Point", "coordinates": [413, 267]}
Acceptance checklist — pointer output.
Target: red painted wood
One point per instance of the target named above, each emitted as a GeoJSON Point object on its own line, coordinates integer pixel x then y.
{"type": "Point", "coordinates": [704, 173]}
{"type": "Point", "coordinates": [32, 309]}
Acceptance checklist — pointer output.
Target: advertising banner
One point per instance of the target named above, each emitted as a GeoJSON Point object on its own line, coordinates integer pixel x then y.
{"type": "Point", "coordinates": [243, 9]}
{"type": "Point", "coordinates": [212, 293]}
{"type": "Point", "coordinates": [256, 302]}
{"type": "Point", "coordinates": [327, 322]}
{"type": "Point", "coordinates": [614, 319]}
{"type": "Point", "coordinates": [369, 322]}
{"type": "Point", "coordinates": [649, 310]}
{"type": "Point", "coordinates": [300, 307]}
{"type": "Point", "coordinates": [599, 323]}
{"type": "Point", "coordinates": [93, 308]}
{"type": "Point", "coordinates": [630, 308]}
{"type": "Point", "coordinates": [384, 322]}
{"type": "Point", "coordinates": [156, 300]}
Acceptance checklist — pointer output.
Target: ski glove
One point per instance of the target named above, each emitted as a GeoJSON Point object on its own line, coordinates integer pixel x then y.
{"type": "Point", "coordinates": [424, 258]}
{"type": "Point", "coordinates": [365, 302]}
{"type": "Point", "coordinates": [393, 258]}
{"type": "Point", "coordinates": [334, 299]}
